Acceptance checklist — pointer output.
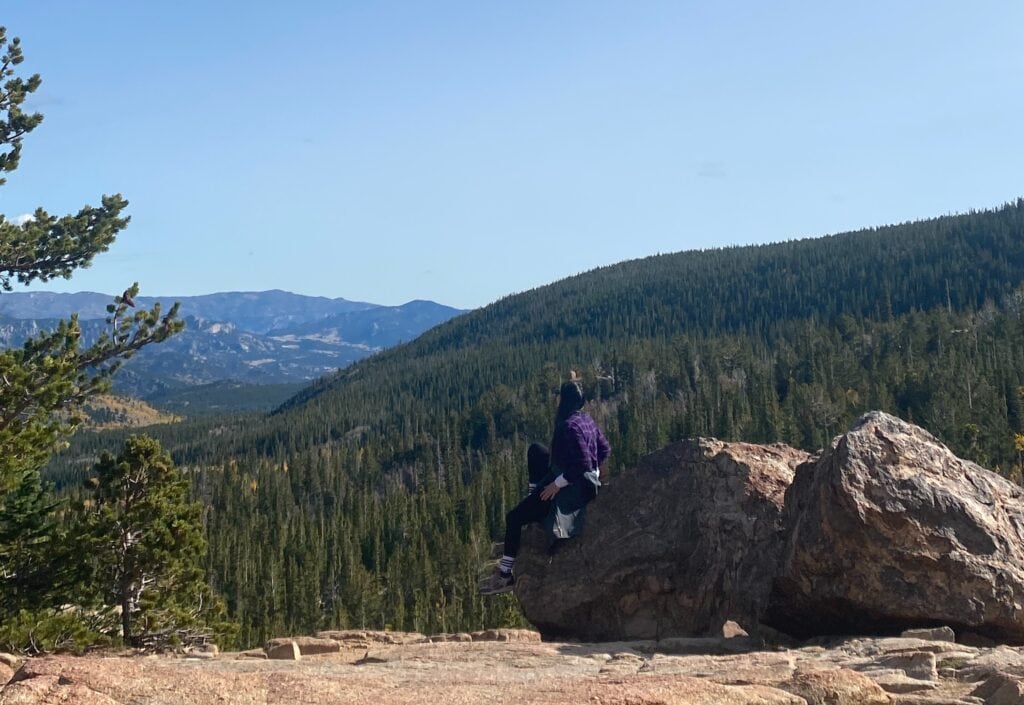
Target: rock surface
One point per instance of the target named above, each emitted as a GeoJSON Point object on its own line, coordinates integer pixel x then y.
{"type": "Point", "coordinates": [685, 542]}
{"type": "Point", "coordinates": [306, 645]}
{"type": "Point", "coordinates": [889, 529]}
{"type": "Point", "coordinates": [915, 664]}
{"type": "Point", "coordinates": [282, 650]}
{"type": "Point", "coordinates": [934, 634]}
{"type": "Point", "coordinates": [508, 635]}
{"type": "Point", "coordinates": [836, 686]}
{"type": "Point", "coordinates": [398, 672]}
{"type": "Point", "coordinates": [365, 637]}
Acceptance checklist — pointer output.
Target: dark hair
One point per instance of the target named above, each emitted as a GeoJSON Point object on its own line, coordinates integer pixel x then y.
{"type": "Point", "coordinates": [570, 399]}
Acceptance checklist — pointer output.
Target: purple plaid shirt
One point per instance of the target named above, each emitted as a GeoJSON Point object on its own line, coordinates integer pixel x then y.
{"type": "Point", "coordinates": [578, 446]}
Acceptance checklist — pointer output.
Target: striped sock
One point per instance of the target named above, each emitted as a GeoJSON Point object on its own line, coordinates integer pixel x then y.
{"type": "Point", "coordinates": [505, 566]}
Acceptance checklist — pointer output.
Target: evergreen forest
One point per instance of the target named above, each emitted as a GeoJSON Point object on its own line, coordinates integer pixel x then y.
{"type": "Point", "coordinates": [371, 498]}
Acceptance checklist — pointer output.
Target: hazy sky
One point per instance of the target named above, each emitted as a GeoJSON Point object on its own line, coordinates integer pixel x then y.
{"type": "Point", "coordinates": [462, 151]}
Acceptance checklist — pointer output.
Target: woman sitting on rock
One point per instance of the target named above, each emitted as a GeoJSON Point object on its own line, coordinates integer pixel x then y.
{"type": "Point", "coordinates": [569, 478]}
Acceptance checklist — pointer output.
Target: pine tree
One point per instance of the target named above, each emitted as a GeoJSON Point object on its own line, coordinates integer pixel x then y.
{"type": "Point", "coordinates": [44, 382]}
{"type": "Point", "coordinates": [147, 547]}
{"type": "Point", "coordinates": [25, 530]}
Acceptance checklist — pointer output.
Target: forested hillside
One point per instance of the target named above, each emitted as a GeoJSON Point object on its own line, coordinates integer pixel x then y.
{"type": "Point", "coordinates": [371, 498]}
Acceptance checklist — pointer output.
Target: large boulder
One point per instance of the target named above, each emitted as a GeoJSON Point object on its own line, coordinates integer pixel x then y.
{"type": "Point", "coordinates": [679, 545]}
{"type": "Point", "coordinates": [888, 530]}
{"type": "Point", "coordinates": [282, 650]}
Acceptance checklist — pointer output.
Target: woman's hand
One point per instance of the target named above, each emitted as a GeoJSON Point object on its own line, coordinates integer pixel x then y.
{"type": "Point", "coordinates": [549, 492]}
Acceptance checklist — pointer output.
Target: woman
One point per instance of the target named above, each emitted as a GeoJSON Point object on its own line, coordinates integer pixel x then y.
{"type": "Point", "coordinates": [559, 499]}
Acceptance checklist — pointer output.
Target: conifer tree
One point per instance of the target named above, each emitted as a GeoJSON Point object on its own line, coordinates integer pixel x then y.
{"type": "Point", "coordinates": [24, 534]}
{"type": "Point", "coordinates": [147, 547]}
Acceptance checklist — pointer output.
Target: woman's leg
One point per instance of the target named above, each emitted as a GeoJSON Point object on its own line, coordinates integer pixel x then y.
{"type": "Point", "coordinates": [531, 509]}
{"type": "Point", "coordinates": [538, 463]}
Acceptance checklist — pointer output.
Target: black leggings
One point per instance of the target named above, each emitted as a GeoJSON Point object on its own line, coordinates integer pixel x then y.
{"type": "Point", "coordinates": [538, 462]}
{"type": "Point", "coordinates": [532, 508]}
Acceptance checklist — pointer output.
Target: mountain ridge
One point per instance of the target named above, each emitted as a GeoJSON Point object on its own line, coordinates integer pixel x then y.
{"type": "Point", "coordinates": [223, 305]}
{"type": "Point", "coordinates": [259, 338]}
{"type": "Point", "coordinates": [980, 252]}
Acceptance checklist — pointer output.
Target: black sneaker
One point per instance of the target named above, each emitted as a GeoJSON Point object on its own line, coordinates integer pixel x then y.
{"type": "Point", "coordinates": [497, 583]}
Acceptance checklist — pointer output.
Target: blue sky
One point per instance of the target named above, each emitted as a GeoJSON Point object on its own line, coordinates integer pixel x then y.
{"type": "Point", "coordinates": [463, 151]}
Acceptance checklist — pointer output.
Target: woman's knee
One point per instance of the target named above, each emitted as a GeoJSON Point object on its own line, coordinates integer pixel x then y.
{"type": "Point", "coordinates": [520, 514]}
{"type": "Point", "coordinates": [537, 461]}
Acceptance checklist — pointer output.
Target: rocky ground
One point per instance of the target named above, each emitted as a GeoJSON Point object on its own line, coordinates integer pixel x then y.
{"type": "Point", "coordinates": [512, 666]}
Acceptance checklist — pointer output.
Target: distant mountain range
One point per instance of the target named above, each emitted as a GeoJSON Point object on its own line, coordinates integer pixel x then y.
{"type": "Point", "coordinates": [251, 311]}
{"type": "Point", "coordinates": [266, 338]}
